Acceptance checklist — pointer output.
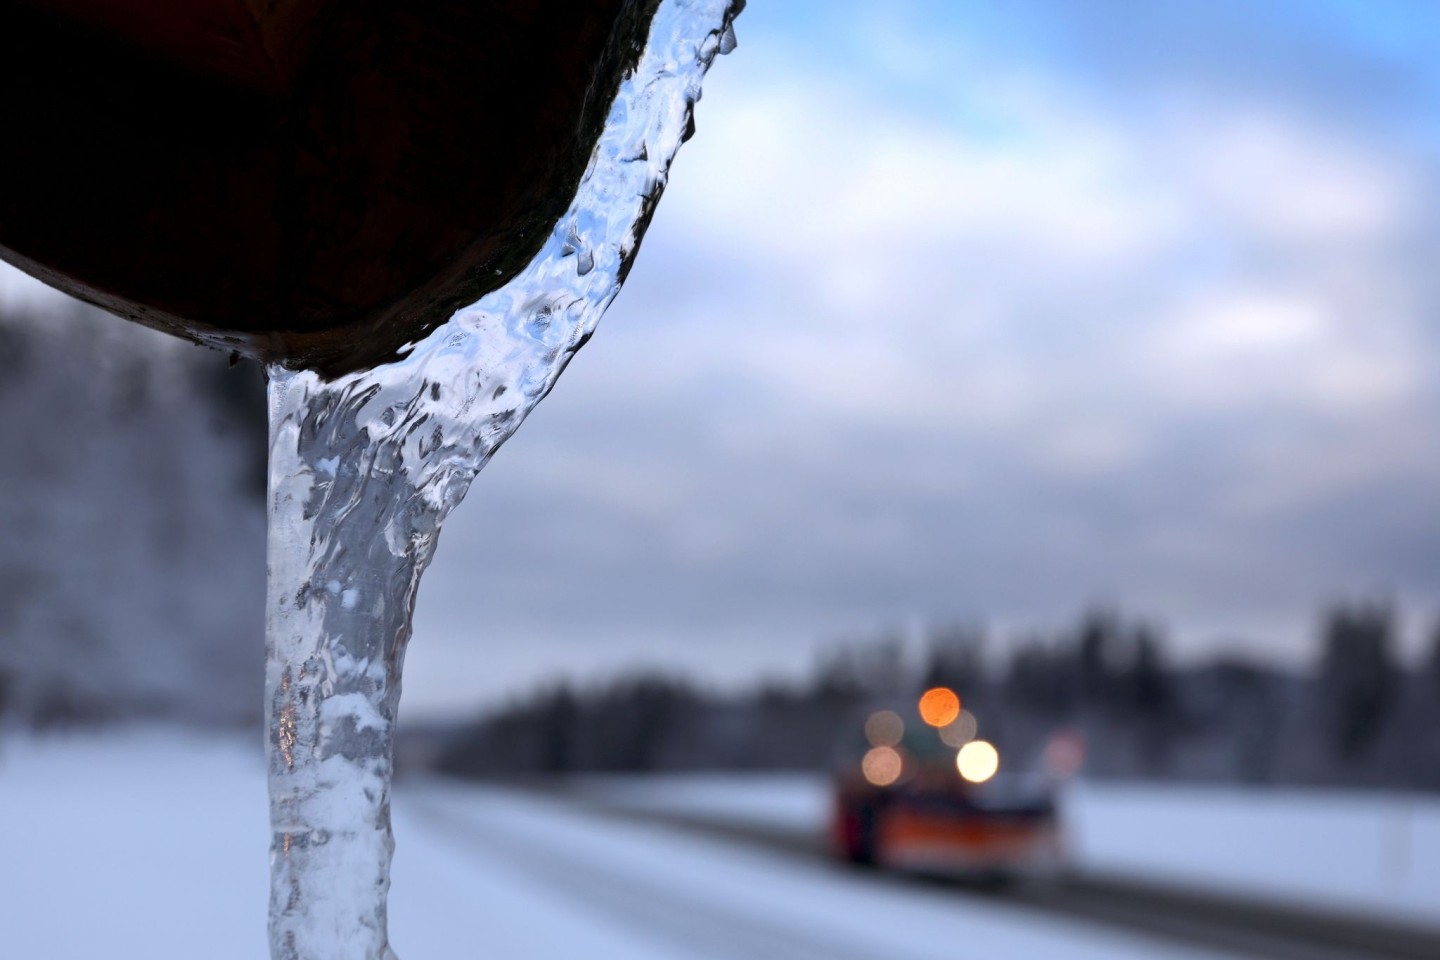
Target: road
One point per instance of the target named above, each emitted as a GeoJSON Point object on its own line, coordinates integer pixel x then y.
{"type": "Point", "coordinates": [665, 890]}
{"type": "Point", "coordinates": [703, 887]}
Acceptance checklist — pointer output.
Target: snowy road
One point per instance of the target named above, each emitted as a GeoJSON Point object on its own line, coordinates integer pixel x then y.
{"type": "Point", "coordinates": [1284, 875]}
{"type": "Point", "coordinates": [154, 848]}
{"type": "Point", "coordinates": [657, 892]}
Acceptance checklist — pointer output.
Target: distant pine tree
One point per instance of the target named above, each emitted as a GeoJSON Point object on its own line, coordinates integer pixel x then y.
{"type": "Point", "coordinates": [1432, 663]}
{"type": "Point", "coordinates": [1151, 695]}
{"type": "Point", "coordinates": [1358, 676]}
{"type": "Point", "coordinates": [955, 658]}
{"type": "Point", "coordinates": [1100, 649]}
{"type": "Point", "coordinates": [1149, 680]}
{"type": "Point", "coordinates": [1041, 679]}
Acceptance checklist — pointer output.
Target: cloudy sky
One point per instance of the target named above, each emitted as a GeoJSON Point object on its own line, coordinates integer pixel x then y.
{"type": "Point", "coordinates": [990, 310]}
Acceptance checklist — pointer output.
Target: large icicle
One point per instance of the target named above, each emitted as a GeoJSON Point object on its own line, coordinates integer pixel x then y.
{"type": "Point", "coordinates": [363, 471]}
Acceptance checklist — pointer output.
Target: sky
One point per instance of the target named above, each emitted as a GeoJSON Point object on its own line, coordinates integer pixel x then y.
{"type": "Point", "coordinates": [991, 311]}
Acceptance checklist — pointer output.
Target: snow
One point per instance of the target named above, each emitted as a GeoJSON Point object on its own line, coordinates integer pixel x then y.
{"type": "Point", "coordinates": [1376, 853]}
{"type": "Point", "coordinates": [154, 846]}
{"type": "Point", "coordinates": [128, 848]}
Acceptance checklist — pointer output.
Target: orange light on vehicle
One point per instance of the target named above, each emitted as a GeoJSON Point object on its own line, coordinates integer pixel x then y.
{"type": "Point", "coordinates": [961, 731]}
{"type": "Point", "coordinates": [884, 728]}
{"type": "Point", "coordinates": [882, 766]}
{"type": "Point", "coordinates": [939, 706]}
{"type": "Point", "coordinates": [977, 761]}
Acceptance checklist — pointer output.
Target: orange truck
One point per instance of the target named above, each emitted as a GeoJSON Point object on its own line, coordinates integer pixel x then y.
{"type": "Point", "coordinates": [927, 795]}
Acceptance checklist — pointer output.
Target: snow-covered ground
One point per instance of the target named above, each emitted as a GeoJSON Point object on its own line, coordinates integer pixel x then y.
{"type": "Point", "coordinates": [154, 847]}
{"type": "Point", "coordinates": [1369, 853]}
{"type": "Point", "coordinates": [132, 847]}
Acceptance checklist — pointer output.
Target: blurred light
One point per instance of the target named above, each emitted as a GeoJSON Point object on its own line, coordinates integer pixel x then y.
{"type": "Point", "coordinates": [882, 766]}
{"type": "Point", "coordinates": [884, 728]}
{"type": "Point", "coordinates": [939, 706]}
{"type": "Point", "coordinates": [1065, 754]}
{"type": "Point", "coordinates": [977, 761]}
{"type": "Point", "coordinates": [961, 731]}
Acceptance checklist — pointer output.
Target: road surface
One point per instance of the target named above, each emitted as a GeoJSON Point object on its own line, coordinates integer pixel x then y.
{"type": "Point", "coordinates": [656, 890]}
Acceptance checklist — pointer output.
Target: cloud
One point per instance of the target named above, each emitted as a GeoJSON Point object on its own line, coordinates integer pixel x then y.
{"type": "Point", "coordinates": [878, 362]}
{"type": "Point", "coordinates": [1277, 182]}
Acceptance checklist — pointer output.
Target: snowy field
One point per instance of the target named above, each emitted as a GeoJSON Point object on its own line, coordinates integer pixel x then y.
{"type": "Point", "coordinates": [1363, 853]}
{"type": "Point", "coordinates": [153, 847]}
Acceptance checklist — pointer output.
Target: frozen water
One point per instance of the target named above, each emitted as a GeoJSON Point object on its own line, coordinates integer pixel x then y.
{"type": "Point", "coordinates": [363, 471]}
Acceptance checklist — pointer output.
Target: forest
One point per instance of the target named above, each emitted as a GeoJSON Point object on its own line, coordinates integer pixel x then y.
{"type": "Point", "coordinates": [1359, 717]}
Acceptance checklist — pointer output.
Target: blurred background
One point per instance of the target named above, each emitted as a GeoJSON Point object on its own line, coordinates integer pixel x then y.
{"type": "Point", "coordinates": [1080, 357]}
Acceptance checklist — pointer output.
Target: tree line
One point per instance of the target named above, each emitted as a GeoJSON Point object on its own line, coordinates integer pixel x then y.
{"type": "Point", "coordinates": [1357, 716]}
